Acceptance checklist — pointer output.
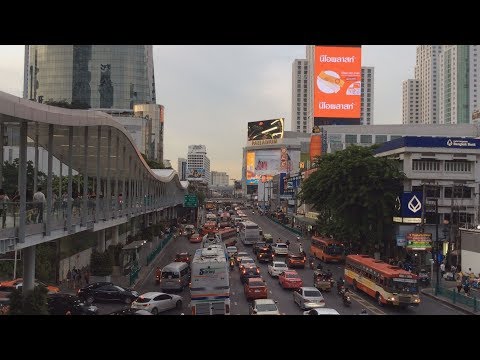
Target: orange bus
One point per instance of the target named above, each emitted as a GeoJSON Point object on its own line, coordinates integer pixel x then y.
{"type": "Point", "coordinates": [327, 250]}
{"type": "Point", "coordinates": [209, 227]}
{"type": "Point", "coordinates": [386, 283]}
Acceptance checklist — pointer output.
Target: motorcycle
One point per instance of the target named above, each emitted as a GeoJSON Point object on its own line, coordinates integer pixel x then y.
{"type": "Point", "coordinates": [423, 278]}
{"type": "Point", "coordinates": [346, 299]}
{"type": "Point", "coordinates": [232, 264]}
{"type": "Point", "coordinates": [312, 264]}
{"type": "Point", "coordinates": [340, 289]}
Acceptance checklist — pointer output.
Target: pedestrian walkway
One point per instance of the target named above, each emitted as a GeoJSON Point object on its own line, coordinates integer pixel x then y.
{"type": "Point", "coordinates": [447, 294]}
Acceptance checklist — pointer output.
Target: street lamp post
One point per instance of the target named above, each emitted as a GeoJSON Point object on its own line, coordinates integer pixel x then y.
{"type": "Point", "coordinates": [436, 246]}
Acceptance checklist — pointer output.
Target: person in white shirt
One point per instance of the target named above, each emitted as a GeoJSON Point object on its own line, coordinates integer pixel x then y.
{"type": "Point", "coordinates": [442, 269]}
{"type": "Point", "coordinates": [39, 200]}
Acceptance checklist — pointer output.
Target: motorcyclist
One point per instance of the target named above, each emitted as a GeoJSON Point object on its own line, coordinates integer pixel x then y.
{"type": "Point", "coordinates": [158, 274]}
{"type": "Point", "coordinates": [320, 266]}
{"type": "Point", "coordinates": [311, 261]}
{"type": "Point", "coordinates": [288, 243]}
{"type": "Point", "coordinates": [232, 262]}
{"type": "Point", "coordinates": [340, 284]}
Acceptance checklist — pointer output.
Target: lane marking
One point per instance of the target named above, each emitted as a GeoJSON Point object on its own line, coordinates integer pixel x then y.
{"type": "Point", "coordinates": [235, 303]}
{"type": "Point", "coordinates": [367, 305]}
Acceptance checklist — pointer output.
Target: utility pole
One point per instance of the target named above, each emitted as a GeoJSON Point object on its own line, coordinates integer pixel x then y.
{"type": "Point", "coordinates": [424, 196]}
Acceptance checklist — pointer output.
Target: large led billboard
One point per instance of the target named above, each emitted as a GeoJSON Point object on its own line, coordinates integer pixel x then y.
{"type": "Point", "coordinates": [337, 85]}
{"type": "Point", "coordinates": [195, 173]}
{"type": "Point", "coordinates": [265, 129]}
{"type": "Point", "coordinates": [262, 165]}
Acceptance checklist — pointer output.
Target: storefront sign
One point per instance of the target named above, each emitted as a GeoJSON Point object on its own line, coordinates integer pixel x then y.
{"type": "Point", "coordinates": [419, 241]}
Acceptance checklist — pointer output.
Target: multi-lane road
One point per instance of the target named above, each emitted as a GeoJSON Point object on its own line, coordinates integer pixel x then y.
{"type": "Point", "coordinates": [284, 298]}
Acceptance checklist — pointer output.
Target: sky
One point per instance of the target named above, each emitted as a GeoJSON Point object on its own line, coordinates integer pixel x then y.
{"type": "Point", "coordinates": [210, 93]}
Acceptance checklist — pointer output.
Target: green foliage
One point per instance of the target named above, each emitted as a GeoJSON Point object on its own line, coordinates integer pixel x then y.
{"type": "Point", "coordinates": [354, 194]}
{"type": "Point", "coordinates": [100, 263]}
{"type": "Point", "coordinates": [10, 177]}
{"type": "Point", "coordinates": [45, 264]}
{"type": "Point", "coordinates": [33, 303]}
{"type": "Point", "coordinates": [115, 252]}
{"type": "Point", "coordinates": [16, 302]}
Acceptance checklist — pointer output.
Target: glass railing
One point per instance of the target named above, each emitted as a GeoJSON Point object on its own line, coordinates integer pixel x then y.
{"type": "Point", "coordinates": [36, 213]}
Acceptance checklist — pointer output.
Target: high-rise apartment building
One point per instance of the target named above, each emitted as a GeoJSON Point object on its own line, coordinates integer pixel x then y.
{"type": "Point", "coordinates": [426, 71]}
{"type": "Point", "coordinates": [91, 76]}
{"type": "Point", "coordinates": [300, 79]}
{"type": "Point", "coordinates": [366, 110]}
{"type": "Point", "coordinates": [219, 178]}
{"type": "Point", "coordinates": [459, 76]}
{"type": "Point", "coordinates": [198, 164]}
{"type": "Point", "coordinates": [182, 169]}
{"type": "Point", "coordinates": [411, 101]}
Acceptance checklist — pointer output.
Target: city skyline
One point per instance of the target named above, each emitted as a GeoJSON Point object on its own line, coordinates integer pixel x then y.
{"type": "Point", "coordinates": [225, 87]}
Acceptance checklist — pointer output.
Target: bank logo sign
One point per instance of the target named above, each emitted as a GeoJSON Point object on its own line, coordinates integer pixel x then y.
{"type": "Point", "coordinates": [411, 204]}
{"type": "Point", "coordinates": [460, 143]}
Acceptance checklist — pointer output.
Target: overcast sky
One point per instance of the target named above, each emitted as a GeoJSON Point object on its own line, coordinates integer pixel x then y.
{"type": "Point", "coordinates": [211, 92]}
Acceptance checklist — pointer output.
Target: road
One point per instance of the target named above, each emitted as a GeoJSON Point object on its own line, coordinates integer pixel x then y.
{"type": "Point", "coordinates": [286, 305]}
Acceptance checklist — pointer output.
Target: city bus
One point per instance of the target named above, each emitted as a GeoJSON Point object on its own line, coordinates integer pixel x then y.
{"type": "Point", "coordinates": [327, 250]}
{"type": "Point", "coordinates": [249, 232]}
{"type": "Point", "coordinates": [209, 227]}
{"type": "Point", "coordinates": [386, 283]}
{"type": "Point", "coordinates": [210, 282]}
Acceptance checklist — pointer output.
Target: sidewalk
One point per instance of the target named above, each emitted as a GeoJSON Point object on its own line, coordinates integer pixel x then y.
{"type": "Point", "coordinates": [449, 292]}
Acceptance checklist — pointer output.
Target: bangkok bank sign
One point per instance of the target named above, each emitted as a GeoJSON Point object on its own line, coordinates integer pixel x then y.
{"type": "Point", "coordinates": [337, 82]}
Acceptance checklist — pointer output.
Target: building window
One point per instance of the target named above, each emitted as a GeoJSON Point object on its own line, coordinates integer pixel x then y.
{"type": "Point", "coordinates": [459, 192]}
{"type": "Point", "coordinates": [350, 139]}
{"type": "Point", "coordinates": [366, 139]}
{"type": "Point", "coordinates": [426, 165]}
{"type": "Point", "coordinates": [458, 166]}
{"type": "Point", "coordinates": [380, 139]}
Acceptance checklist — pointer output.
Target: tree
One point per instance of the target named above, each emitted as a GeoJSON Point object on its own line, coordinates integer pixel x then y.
{"type": "Point", "coordinates": [65, 104]}
{"type": "Point", "coordinates": [354, 194]}
{"type": "Point", "coordinates": [100, 263]}
{"type": "Point", "coordinates": [10, 177]}
{"type": "Point", "coordinates": [152, 163]}
{"type": "Point", "coordinates": [32, 303]}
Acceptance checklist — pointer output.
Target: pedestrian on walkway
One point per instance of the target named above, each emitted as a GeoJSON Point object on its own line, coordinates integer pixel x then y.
{"type": "Point", "coordinates": [442, 269]}
{"type": "Point", "coordinates": [87, 276]}
{"type": "Point", "coordinates": [3, 207]}
{"type": "Point", "coordinates": [459, 281]}
{"type": "Point", "coordinates": [69, 278]}
{"type": "Point", "coordinates": [39, 200]}
{"type": "Point", "coordinates": [466, 286]}
{"type": "Point", "coordinates": [78, 279]}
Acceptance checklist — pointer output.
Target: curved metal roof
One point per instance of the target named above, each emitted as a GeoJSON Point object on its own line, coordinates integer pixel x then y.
{"type": "Point", "coordinates": [14, 109]}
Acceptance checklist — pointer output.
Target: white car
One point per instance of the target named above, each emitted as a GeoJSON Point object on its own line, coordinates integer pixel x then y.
{"type": "Point", "coordinates": [232, 250]}
{"type": "Point", "coordinates": [308, 298]}
{"type": "Point", "coordinates": [276, 268]}
{"type": "Point", "coordinates": [264, 307]}
{"type": "Point", "coordinates": [246, 261]}
{"type": "Point", "coordinates": [156, 302]}
{"type": "Point", "coordinates": [321, 311]}
{"type": "Point", "coordinates": [280, 249]}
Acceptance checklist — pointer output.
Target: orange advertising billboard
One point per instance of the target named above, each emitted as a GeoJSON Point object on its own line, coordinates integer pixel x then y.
{"type": "Point", "coordinates": [337, 82]}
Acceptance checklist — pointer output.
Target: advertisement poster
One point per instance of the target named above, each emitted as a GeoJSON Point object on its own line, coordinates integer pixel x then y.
{"type": "Point", "coordinates": [337, 82]}
{"type": "Point", "coordinates": [196, 173]}
{"type": "Point", "coordinates": [265, 129]}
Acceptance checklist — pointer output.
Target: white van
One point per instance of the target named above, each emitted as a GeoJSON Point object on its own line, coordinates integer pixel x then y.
{"type": "Point", "coordinates": [175, 276]}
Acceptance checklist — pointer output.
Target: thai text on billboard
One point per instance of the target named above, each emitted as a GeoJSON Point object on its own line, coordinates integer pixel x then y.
{"type": "Point", "coordinates": [337, 82]}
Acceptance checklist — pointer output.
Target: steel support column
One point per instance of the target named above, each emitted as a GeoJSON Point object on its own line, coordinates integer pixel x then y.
{"type": "Point", "coordinates": [48, 224]}
{"type": "Point", "coordinates": [97, 198]}
{"type": "Point", "coordinates": [28, 269]}
{"type": "Point", "coordinates": [70, 179]}
{"type": "Point", "coordinates": [108, 195]}
{"type": "Point", "coordinates": [35, 165]}
{"type": "Point", "coordinates": [85, 178]}
{"type": "Point", "coordinates": [117, 162]}
{"type": "Point", "coordinates": [22, 181]}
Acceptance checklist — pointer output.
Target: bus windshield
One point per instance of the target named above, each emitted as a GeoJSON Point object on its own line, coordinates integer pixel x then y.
{"type": "Point", "coordinates": [398, 285]}
{"type": "Point", "coordinates": [334, 249]}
